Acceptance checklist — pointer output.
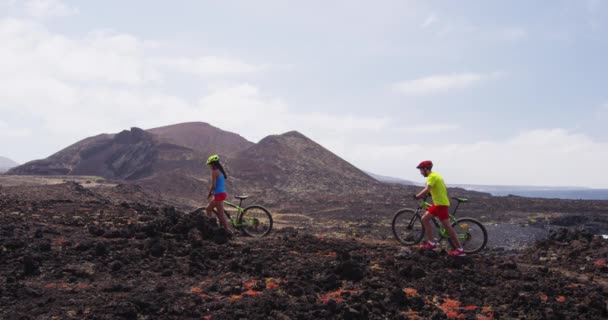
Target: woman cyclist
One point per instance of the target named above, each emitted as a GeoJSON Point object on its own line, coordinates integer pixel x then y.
{"type": "Point", "coordinates": [217, 190]}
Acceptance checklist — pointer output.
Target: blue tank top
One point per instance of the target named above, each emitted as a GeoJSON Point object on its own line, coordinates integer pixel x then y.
{"type": "Point", "coordinates": [220, 186]}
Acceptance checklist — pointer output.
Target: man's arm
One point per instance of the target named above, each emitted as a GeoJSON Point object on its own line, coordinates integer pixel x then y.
{"type": "Point", "coordinates": [424, 192]}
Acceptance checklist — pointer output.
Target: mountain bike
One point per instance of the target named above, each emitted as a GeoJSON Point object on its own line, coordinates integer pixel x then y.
{"type": "Point", "coordinates": [254, 221]}
{"type": "Point", "coordinates": [408, 229]}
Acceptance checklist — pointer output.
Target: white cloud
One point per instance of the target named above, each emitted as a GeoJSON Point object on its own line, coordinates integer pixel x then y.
{"type": "Point", "coordinates": [99, 57]}
{"type": "Point", "coordinates": [244, 109]}
{"type": "Point", "coordinates": [514, 33]}
{"type": "Point", "coordinates": [537, 157]}
{"type": "Point", "coordinates": [427, 128]}
{"type": "Point", "coordinates": [70, 87]}
{"type": "Point", "coordinates": [595, 14]}
{"type": "Point", "coordinates": [8, 132]}
{"type": "Point", "coordinates": [111, 110]}
{"type": "Point", "coordinates": [431, 19]}
{"type": "Point", "coordinates": [30, 50]}
{"type": "Point", "coordinates": [440, 83]}
{"type": "Point", "coordinates": [463, 34]}
{"type": "Point", "coordinates": [75, 87]}
{"type": "Point", "coordinates": [602, 111]}
{"type": "Point", "coordinates": [48, 8]}
{"type": "Point", "coordinates": [209, 66]}
{"type": "Point", "coordinates": [105, 82]}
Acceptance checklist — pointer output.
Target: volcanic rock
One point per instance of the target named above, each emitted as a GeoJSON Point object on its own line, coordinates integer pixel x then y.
{"type": "Point", "coordinates": [30, 266]}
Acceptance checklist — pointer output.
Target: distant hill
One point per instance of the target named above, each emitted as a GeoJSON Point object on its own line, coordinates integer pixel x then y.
{"type": "Point", "coordinates": [202, 137]}
{"type": "Point", "coordinates": [135, 154]}
{"type": "Point", "coordinates": [388, 179]}
{"type": "Point", "coordinates": [284, 170]}
{"type": "Point", "coordinates": [6, 163]}
{"type": "Point", "coordinates": [173, 158]}
{"type": "Point", "coordinates": [288, 171]}
{"type": "Point", "coordinates": [103, 155]}
{"type": "Point", "coordinates": [293, 162]}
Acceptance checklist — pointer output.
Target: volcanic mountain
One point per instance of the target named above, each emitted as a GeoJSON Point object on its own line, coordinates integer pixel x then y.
{"type": "Point", "coordinates": [6, 163]}
{"type": "Point", "coordinates": [135, 154]}
{"type": "Point", "coordinates": [203, 138]}
{"type": "Point", "coordinates": [291, 171]}
{"type": "Point", "coordinates": [126, 155]}
{"type": "Point", "coordinates": [292, 162]}
{"type": "Point", "coordinates": [284, 170]}
{"type": "Point", "coordinates": [170, 160]}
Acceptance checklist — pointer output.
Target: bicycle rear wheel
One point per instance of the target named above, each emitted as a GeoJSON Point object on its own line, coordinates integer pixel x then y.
{"type": "Point", "coordinates": [407, 227]}
{"type": "Point", "coordinates": [255, 221]}
{"type": "Point", "coordinates": [471, 233]}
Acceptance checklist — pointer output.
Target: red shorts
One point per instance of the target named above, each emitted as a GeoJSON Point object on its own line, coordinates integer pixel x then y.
{"type": "Point", "coordinates": [220, 197]}
{"type": "Point", "coordinates": [441, 212]}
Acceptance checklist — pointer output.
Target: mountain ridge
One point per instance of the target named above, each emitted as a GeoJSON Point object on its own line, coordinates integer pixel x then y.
{"type": "Point", "coordinates": [125, 155]}
{"type": "Point", "coordinates": [136, 153]}
{"type": "Point", "coordinates": [6, 164]}
{"type": "Point", "coordinates": [202, 137]}
{"type": "Point", "coordinates": [389, 179]}
{"type": "Point", "coordinates": [286, 172]}
{"type": "Point", "coordinates": [286, 169]}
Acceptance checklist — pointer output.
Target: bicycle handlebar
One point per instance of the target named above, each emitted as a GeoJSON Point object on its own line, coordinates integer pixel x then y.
{"type": "Point", "coordinates": [423, 204]}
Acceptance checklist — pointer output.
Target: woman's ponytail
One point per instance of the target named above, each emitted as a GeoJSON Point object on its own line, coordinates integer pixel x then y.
{"type": "Point", "coordinates": [218, 165]}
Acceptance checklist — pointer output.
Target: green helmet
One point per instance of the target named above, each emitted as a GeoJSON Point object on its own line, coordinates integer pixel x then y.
{"type": "Point", "coordinates": [213, 158]}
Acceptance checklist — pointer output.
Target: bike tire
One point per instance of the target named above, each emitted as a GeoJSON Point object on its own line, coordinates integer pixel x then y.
{"type": "Point", "coordinates": [407, 227]}
{"type": "Point", "coordinates": [471, 233]}
{"type": "Point", "coordinates": [255, 221]}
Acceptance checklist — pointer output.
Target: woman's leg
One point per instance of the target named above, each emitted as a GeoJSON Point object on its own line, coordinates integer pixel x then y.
{"type": "Point", "coordinates": [209, 209]}
{"type": "Point", "coordinates": [219, 205]}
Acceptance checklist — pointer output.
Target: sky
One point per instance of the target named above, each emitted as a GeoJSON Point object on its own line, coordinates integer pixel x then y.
{"type": "Point", "coordinates": [493, 92]}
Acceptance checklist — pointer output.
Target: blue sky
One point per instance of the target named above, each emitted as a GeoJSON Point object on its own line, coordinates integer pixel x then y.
{"type": "Point", "coordinates": [493, 92]}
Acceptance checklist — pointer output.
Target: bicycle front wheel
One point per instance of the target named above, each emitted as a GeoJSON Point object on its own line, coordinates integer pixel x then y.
{"type": "Point", "coordinates": [255, 221]}
{"type": "Point", "coordinates": [471, 233]}
{"type": "Point", "coordinates": [407, 227]}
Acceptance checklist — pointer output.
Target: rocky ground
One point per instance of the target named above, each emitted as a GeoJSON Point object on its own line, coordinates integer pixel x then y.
{"type": "Point", "coordinates": [69, 251]}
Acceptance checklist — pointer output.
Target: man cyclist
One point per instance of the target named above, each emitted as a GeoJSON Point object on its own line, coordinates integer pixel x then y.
{"type": "Point", "coordinates": [440, 208]}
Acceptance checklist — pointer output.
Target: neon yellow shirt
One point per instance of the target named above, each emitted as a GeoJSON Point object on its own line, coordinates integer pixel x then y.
{"type": "Point", "coordinates": [439, 192]}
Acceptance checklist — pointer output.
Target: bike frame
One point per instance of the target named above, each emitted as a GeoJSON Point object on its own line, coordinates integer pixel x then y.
{"type": "Point", "coordinates": [239, 209]}
{"type": "Point", "coordinates": [471, 233]}
{"type": "Point", "coordinates": [424, 206]}
{"type": "Point", "coordinates": [239, 221]}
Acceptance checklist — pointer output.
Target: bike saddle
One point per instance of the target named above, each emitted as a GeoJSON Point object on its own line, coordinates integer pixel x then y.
{"type": "Point", "coordinates": [241, 197]}
{"type": "Point", "coordinates": [460, 199]}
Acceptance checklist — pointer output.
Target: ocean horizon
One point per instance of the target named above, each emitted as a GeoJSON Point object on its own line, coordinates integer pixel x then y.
{"type": "Point", "coordinates": [570, 194]}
